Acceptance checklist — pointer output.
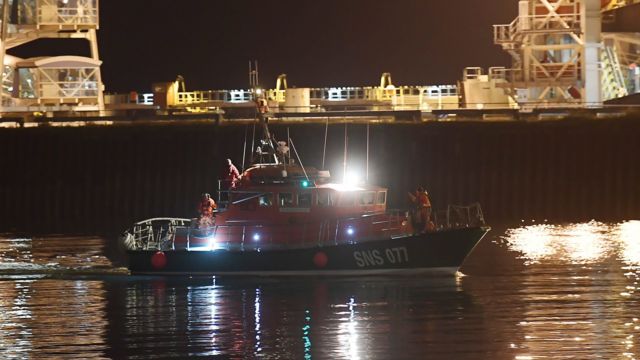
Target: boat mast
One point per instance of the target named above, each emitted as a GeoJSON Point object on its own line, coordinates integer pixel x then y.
{"type": "Point", "coordinates": [324, 149]}
{"type": "Point", "coordinates": [367, 176]}
{"type": "Point", "coordinates": [244, 147]}
{"type": "Point", "coordinates": [346, 145]}
{"type": "Point", "coordinates": [261, 108]}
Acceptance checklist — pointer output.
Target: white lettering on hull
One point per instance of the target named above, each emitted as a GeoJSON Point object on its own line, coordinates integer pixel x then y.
{"type": "Point", "coordinates": [379, 257]}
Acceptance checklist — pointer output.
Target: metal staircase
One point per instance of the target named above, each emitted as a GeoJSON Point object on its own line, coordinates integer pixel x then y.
{"type": "Point", "coordinates": [613, 81]}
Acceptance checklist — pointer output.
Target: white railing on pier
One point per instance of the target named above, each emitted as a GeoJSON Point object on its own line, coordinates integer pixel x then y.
{"type": "Point", "coordinates": [504, 34]}
{"type": "Point", "coordinates": [395, 98]}
{"type": "Point", "coordinates": [424, 98]}
{"type": "Point", "coordinates": [79, 13]}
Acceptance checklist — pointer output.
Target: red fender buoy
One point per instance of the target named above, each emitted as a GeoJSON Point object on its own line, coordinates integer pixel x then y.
{"type": "Point", "coordinates": [320, 259]}
{"type": "Point", "coordinates": [158, 260]}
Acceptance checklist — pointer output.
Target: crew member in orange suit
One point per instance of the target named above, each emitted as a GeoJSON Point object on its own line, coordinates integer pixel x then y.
{"type": "Point", "coordinates": [424, 208]}
{"type": "Point", "coordinates": [206, 209]}
{"type": "Point", "coordinates": [233, 175]}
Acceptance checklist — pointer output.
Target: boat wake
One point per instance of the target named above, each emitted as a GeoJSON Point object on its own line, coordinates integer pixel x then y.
{"type": "Point", "coordinates": [55, 256]}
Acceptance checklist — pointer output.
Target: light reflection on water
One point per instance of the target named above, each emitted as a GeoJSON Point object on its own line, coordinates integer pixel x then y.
{"type": "Point", "coordinates": [584, 243]}
{"type": "Point", "coordinates": [50, 255]}
{"type": "Point", "coordinates": [579, 289]}
{"type": "Point", "coordinates": [532, 292]}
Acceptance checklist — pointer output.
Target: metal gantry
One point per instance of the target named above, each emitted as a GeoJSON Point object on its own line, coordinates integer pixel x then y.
{"type": "Point", "coordinates": [555, 49]}
{"type": "Point", "coordinates": [561, 57]}
{"type": "Point", "coordinates": [50, 84]}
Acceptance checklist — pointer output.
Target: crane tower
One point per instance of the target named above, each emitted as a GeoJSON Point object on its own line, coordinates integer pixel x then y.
{"type": "Point", "coordinates": [65, 84]}
{"type": "Point", "coordinates": [555, 47]}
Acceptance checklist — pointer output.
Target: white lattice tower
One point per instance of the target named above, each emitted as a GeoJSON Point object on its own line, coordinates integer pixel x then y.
{"type": "Point", "coordinates": [63, 83]}
{"type": "Point", "coordinates": [555, 49]}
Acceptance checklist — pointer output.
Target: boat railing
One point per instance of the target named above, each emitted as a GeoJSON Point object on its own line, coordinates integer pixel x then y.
{"type": "Point", "coordinates": [457, 216]}
{"type": "Point", "coordinates": [153, 233]}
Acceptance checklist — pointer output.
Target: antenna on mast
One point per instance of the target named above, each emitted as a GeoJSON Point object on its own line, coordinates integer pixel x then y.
{"type": "Point", "coordinates": [260, 99]}
{"type": "Point", "coordinates": [253, 74]}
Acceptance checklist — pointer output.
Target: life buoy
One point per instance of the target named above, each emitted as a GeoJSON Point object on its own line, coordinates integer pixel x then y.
{"type": "Point", "coordinates": [320, 259]}
{"type": "Point", "coordinates": [158, 260]}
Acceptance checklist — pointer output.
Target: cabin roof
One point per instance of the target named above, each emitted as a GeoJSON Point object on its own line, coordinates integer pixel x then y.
{"type": "Point", "coordinates": [347, 187]}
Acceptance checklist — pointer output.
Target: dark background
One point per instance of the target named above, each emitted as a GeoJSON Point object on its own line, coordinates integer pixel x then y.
{"type": "Point", "coordinates": [99, 180]}
{"type": "Point", "coordinates": [316, 43]}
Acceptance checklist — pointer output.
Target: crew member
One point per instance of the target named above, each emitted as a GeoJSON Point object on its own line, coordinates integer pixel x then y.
{"type": "Point", "coordinates": [233, 175]}
{"type": "Point", "coordinates": [424, 208]}
{"type": "Point", "coordinates": [206, 209]}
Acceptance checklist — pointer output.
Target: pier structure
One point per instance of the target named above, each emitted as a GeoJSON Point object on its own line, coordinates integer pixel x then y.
{"type": "Point", "coordinates": [562, 58]}
{"type": "Point", "coordinates": [171, 97]}
{"type": "Point", "coordinates": [48, 84]}
{"type": "Point", "coordinates": [386, 96]}
{"type": "Point", "coordinates": [566, 54]}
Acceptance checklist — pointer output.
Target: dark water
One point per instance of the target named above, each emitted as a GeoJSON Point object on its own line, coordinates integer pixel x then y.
{"type": "Point", "coordinates": [531, 292]}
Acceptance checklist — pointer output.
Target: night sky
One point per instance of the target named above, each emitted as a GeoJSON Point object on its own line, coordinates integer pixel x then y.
{"type": "Point", "coordinates": [316, 43]}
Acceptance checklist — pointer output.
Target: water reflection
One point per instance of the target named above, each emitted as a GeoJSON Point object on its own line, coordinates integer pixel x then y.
{"type": "Point", "coordinates": [54, 255]}
{"type": "Point", "coordinates": [535, 292]}
{"type": "Point", "coordinates": [310, 318]}
{"type": "Point", "coordinates": [578, 289]}
{"type": "Point", "coordinates": [583, 243]}
{"type": "Point", "coordinates": [34, 319]}
{"type": "Point", "coordinates": [348, 333]}
{"type": "Point", "coordinates": [629, 234]}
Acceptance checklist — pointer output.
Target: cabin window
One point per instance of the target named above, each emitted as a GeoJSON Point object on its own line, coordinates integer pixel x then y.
{"type": "Point", "coordinates": [304, 200]}
{"type": "Point", "coordinates": [248, 205]}
{"type": "Point", "coordinates": [368, 198]}
{"type": "Point", "coordinates": [323, 199]}
{"type": "Point", "coordinates": [265, 200]}
{"type": "Point", "coordinates": [347, 199]}
{"type": "Point", "coordinates": [285, 200]}
{"type": "Point", "coordinates": [382, 197]}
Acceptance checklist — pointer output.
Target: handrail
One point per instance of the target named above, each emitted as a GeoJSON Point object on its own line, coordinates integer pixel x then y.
{"type": "Point", "coordinates": [52, 12]}
{"type": "Point", "coordinates": [512, 32]}
{"type": "Point", "coordinates": [177, 233]}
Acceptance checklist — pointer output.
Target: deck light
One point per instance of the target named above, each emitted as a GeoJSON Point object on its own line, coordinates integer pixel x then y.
{"type": "Point", "coordinates": [215, 245]}
{"type": "Point", "coordinates": [256, 237]}
{"type": "Point", "coordinates": [350, 230]}
{"type": "Point", "coordinates": [211, 245]}
{"type": "Point", "coordinates": [352, 179]}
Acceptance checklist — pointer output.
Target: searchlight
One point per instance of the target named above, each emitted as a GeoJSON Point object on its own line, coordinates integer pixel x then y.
{"type": "Point", "coordinates": [352, 179]}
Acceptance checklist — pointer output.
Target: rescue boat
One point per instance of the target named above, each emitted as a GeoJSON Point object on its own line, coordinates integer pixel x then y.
{"type": "Point", "coordinates": [287, 220]}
